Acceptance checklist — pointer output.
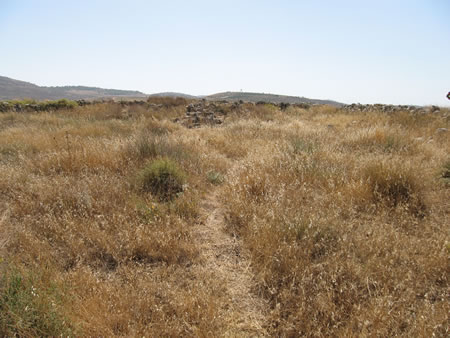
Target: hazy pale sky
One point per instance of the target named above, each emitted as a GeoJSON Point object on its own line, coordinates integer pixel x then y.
{"type": "Point", "coordinates": [349, 51]}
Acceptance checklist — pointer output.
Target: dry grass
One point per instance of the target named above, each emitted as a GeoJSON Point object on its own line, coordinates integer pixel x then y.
{"type": "Point", "coordinates": [344, 216]}
{"type": "Point", "coordinates": [347, 225]}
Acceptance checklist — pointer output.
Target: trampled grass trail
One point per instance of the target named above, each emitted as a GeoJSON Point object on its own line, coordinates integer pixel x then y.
{"type": "Point", "coordinates": [223, 257]}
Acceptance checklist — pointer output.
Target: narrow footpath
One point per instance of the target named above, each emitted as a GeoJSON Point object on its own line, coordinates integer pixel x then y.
{"type": "Point", "coordinates": [223, 256]}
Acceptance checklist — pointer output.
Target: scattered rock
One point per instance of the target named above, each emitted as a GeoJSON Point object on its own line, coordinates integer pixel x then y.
{"type": "Point", "coordinates": [441, 130]}
{"type": "Point", "coordinates": [82, 103]}
{"type": "Point", "coordinates": [387, 108]}
{"type": "Point", "coordinates": [4, 107]}
{"type": "Point", "coordinates": [435, 109]}
{"type": "Point", "coordinates": [202, 113]}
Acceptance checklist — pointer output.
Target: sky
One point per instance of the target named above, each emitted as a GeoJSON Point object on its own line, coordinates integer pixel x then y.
{"type": "Point", "coordinates": [394, 52]}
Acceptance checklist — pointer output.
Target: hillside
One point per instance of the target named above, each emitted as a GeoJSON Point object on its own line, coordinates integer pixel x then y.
{"type": "Point", "coordinates": [255, 97]}
{"type": "Point", "coordinates": [11, 89]}
{"type": "Point", "coordinates": [14, 89]}
{"type": "Point", "coordinates": [173, 94]}
{"type": "Point", "coordinates": [251, 97]}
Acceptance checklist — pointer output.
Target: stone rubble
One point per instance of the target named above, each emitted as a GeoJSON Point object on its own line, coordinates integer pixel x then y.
{"type": "Point", "coordinates": [202, 113]}
{"type": "Point", "coordinates": [387, 108]}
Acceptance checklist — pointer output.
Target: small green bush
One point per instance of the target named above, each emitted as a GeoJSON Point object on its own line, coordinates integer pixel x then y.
{"type": "Point", "coordinates": [163, 178]}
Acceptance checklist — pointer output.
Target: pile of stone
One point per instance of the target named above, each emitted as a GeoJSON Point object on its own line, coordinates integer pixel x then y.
{"type": "Point", "coordinates": [387, 108]}
{"type": "Point", "coordinates": [202, 113]}
{"type": "Point", "coordinates": [18, 107]}
{"type": "Point", "coordinates": [4, 107]}
{"type": "Point", "coordinates": [83, 103]}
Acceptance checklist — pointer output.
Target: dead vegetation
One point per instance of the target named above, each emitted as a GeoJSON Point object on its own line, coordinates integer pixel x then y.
{"type": "Point", "coordinates": [337, 222]}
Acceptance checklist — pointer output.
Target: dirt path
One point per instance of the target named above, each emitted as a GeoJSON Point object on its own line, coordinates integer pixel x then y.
{"type": "Point", "coordinates": [223, 256]}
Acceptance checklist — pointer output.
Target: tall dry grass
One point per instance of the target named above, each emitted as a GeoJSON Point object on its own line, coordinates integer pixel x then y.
{"type": "Point", "coordinates": [345, 216]}
{"type": "Point", "coordinates": [347, 223]}
{"type": "Point", "coordinates": [70, 208]}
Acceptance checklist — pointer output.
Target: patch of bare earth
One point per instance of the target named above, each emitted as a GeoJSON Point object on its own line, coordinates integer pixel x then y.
{"type": "Point", "coordinates": [223, 258]}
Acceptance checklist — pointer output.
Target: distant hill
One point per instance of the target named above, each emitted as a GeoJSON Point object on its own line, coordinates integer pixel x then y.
{"type": "Point", "coordinates": [172, 94]}
{"type": "Point", "coordinates": [11, 89]}
{"type": "Point", "coordinates": [256, 97]}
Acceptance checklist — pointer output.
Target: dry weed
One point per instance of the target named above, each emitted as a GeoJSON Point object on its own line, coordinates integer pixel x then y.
{"type": "Point", "coordinates": [345, 217]}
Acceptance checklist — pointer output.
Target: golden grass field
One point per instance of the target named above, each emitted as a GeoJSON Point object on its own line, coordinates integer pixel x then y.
{"type": "Point", "coordinates": [304, 222]}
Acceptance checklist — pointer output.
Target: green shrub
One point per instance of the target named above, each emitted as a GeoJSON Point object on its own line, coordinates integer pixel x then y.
{"type": "Point", "coordinates": [163, 178]}
{"type": "Point", "coordinates": [60, 104]}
